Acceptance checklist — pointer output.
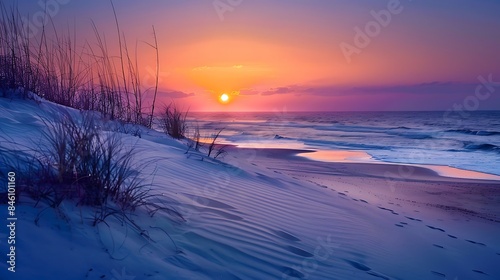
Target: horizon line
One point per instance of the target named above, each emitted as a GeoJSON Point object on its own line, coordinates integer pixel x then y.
{"type": "Point", "coordinates": [346, 111]}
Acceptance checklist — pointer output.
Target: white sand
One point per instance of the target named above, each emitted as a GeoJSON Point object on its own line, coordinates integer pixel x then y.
{"type": "Point", "coordinates": [262, 214]}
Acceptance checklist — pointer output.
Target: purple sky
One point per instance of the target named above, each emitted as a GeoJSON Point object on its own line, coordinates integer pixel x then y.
{"type": "Point", "coordinates": [304, 55]}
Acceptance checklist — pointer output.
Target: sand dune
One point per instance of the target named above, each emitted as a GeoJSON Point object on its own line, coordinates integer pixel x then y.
{"type": "Point", "coordinates": [264, 214]}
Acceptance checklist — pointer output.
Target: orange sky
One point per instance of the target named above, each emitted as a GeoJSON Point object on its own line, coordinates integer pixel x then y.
{"type": "Point", "coordinates": [267, 55]}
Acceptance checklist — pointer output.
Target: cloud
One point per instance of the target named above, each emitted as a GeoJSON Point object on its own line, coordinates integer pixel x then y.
{"type": "Point", "coordinates": [249, 91]}
{"type": "Point", "coordinates": [334, 90]}
{"type": "Point", "coordinates": [422, 88]}
{"type": "Point", "coordinates": [202, 68]}
{"type": "Point", "coordinates": [210, 68]}
{"type": "Point", "coordinates": [174, 94]}
{"type": "Point", "coordinates": [280, 90]}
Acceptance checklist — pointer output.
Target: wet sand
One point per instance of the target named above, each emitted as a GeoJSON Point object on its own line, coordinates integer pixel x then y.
{"type": "Point", "coordinates": [388, 184]}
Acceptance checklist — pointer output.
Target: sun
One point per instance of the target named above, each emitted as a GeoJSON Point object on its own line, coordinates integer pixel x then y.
{"type": "Point", "coordinates": [224, 98]}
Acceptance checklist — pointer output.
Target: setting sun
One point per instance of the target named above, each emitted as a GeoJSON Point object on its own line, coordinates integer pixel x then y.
{"type": "Point", "coordinates": [316, 139]}
{"type": "Point", "coordinates": [224, 98]}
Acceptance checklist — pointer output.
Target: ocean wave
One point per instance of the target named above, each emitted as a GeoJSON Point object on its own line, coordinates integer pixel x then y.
{"type": "Point", "coordinates": [481, 147]}
{"type": "Point", "coordinates": [342, 145]}
{"type": "Point", "coordinates": [400, 131]}
{"type": "Point", "coordinates": [352, 128]}
{"type": "Point", "coordinates": [474, 132]}
{"type": "Point", "coordinates": [417, 136]}
{"type": "Point", "coordinates": [357, 128]}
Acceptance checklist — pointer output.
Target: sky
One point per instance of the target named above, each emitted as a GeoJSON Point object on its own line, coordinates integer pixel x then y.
{"type": "Point", "coordinates": [303, 55]}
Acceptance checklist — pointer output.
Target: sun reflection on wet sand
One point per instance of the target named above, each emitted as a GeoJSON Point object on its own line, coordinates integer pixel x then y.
{"type": "Point", "coordinates": [339, 156]}
{"type": "Point", "coordinates": [363, 157]}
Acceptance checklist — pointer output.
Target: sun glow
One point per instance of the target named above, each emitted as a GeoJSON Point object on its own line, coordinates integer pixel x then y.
{"type": "Point", "coordinates": [224, 98]}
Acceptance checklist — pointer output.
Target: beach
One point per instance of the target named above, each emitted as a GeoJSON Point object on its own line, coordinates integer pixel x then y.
{"type": "Point", "coordinates": [442, 211]}
{"type": "Point", "coordinates": [249, 140]}
{"type": "Point", "coordinates": [409, 138]}
{"type": "Point", "coordinates": [256, 213]}
{"type": "Point", "coordinates": [418, 186]}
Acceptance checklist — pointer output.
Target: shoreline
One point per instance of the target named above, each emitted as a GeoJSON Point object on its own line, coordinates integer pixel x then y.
{"type": "Point", "coordinates": [263, 213]}
{"type": "Point", "coordinates": [365, 165]}
{"type": "Point", "coordinates": [363, 157]}
{"type": "Point", "coordinates": [419, 189]}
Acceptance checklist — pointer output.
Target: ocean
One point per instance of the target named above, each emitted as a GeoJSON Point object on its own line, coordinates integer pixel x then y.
{"type": "Point", "coordinates": [469, 141]}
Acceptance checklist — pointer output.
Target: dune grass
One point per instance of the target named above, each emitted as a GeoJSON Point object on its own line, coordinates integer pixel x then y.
{"type": "Point", "coordinates": [173, 121]}
{"type": "Point", "coordinates": [78, 161]}
{"type": "Point", "coordinates": [53, 66]}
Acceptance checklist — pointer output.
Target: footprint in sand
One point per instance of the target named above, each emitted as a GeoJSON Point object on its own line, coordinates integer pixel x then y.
{"type": "Point", "coordinates": [436, 228]}
{"type": "Point", "coordinates": [298, 251]}
{"type": "Point", "coordinates": [413, 219]}
{"type": "Point", "coordinates": [358, 265]}
{"type": "Point", "coordinates": [285, 235]}
{"type": "Point", "coordinates": [387, 209]}
{"type": "Point", "coordinates": [373, 273]}
{"type": "Point", "coordinates": [367, 269]}
{"type": "Point", "coordinates": [480, 272]}
{"type": "Point", "coordinates": [438, 273]}
{"type": "Point", "coordinates": [474, 242]}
